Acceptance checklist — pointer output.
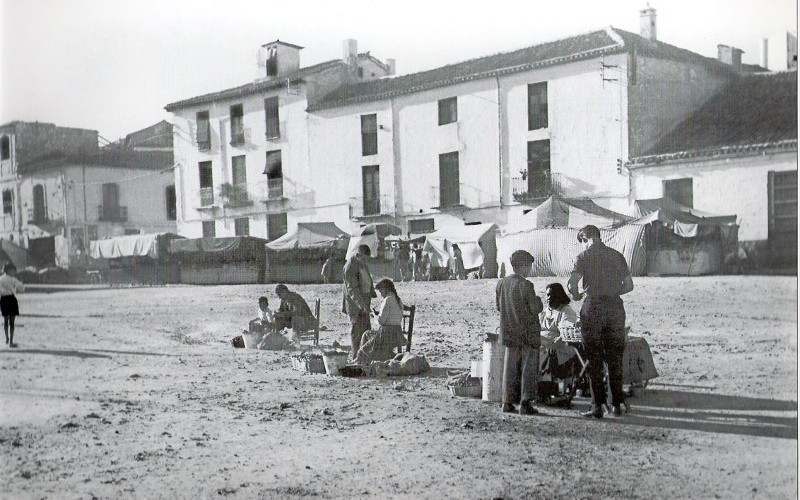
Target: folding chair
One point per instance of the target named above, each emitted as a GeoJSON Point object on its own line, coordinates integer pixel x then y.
{"type": "Point", "coordinates": [312, 331]}
{"type": "Point", "coordinates": [408, 326]}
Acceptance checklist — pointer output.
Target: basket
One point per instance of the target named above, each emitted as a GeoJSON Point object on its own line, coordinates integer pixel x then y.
{"type": "Point", "coordinates": [470, 388]}
{"type": "Point", "coordinates": [309, 363]}
{"type": "Point", "coordinates": [333, 362]}
{"type": "Point", "coordinates": [570, 333]}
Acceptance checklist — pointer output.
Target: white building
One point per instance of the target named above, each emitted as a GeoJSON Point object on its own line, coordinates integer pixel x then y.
{"type": "Point", "coordinates": [736, 155]}
{"type": "Point", "coordinates": [242, 154]}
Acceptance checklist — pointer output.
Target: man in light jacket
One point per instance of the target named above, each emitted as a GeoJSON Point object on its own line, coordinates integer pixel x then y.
{"type": "Point", "coordinates": [358, 292]}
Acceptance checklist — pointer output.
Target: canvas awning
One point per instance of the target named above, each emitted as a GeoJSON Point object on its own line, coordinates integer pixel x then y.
{"type": "Point", "coordinates": [371, 235]}
{"type": "Point", "coordinates": [231, 248]}
{"type": "Point", "coordinates": [684, 221]}
{"type": "Point", "coordinates": [312, 235]}
{"type": "Point", "coordinates": [475, 241]}
{"type": "Point", "coordinates": [557, 212]}
{"type": "Point", "coordinates": [134, 245]}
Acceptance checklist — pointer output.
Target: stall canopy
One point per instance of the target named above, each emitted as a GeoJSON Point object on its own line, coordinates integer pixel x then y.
{"type": "Point", "coordinates": [135, 245]}
{"type": "Point", "coordinates": [371, 235]}
{"type": "Point", "coordinates": [477, 244]}
{"type": "Point", "coordinates": [558, 212]}
{"type": "Point", "coordinates": [237, 248]}
{"type": "Point", "coordinates": [320, 235]}
{"type": "Point", "coordinates": [683, 220]}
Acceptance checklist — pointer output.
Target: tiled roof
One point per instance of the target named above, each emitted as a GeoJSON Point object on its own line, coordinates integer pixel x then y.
{"type": "Point", "coordinates": [586, 46]}
{"type": "Point", "coordinates": [755, 113]}
{"type": "Point", "coordinates": [255, 87]}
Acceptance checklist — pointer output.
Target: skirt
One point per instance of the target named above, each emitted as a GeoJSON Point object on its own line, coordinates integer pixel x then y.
{"type": "Point", "coordinates": [9, 305]}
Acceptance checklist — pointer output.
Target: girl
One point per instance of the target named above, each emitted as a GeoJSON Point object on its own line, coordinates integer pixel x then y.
{"type": "Point", "coordinates": [379, 345]}
{"type": "Point", "coordinates": [9, 287]}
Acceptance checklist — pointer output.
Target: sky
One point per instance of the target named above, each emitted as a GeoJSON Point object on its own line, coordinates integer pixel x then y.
{"type": "Point", "coordinates": [112, 65]}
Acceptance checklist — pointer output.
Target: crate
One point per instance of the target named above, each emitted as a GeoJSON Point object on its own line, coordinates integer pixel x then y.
{"type": "Point", "coordinates": [472, 388]}
{"type": "Point", "coordinates": [309, 363]}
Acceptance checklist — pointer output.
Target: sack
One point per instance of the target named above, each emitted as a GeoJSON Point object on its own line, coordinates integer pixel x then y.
{"type": "Point", "coordinates": [237, 342]}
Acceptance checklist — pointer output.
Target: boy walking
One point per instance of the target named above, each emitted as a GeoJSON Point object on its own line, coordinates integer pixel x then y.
{"type": "Point", "coordinates": [519, 308]}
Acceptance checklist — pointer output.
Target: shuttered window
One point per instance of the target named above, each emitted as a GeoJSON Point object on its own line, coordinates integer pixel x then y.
{"type": "Point", "coordinates": [369, 135]}
{"type": "Point", "coordinates": [272, 117]}
{"type": "Point", "coordinates": [203, 131]}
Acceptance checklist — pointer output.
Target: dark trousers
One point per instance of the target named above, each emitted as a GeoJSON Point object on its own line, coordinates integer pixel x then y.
{"type": "Point", "coordinates": [357, 329]}
{"type": "Point", "coordinates": [603, 332]}
{"type": "Point", "coordinates": [520, 374]}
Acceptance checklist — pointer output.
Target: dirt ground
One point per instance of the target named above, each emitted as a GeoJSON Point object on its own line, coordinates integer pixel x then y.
{"type": "Point", "coordinates": [136, 393]}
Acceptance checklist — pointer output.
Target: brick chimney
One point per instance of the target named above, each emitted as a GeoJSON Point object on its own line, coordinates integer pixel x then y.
{"type": "Point", "coordinates": [350, 53]}
{"type": "Point", "coordinates": [647, 23]}
{"type": "Point", "coordinates": [392, 66]}
{"type": "Point", "coordinates": [731, 56]}
{"type": "Point", "coordinates": [279, 58]}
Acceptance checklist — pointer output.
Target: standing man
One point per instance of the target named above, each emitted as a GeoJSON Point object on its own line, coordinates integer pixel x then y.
{"type": "Point", "coordinates": [606, 276]}
{"type": "Point", "coordinates": [358, 291]}
{"type": "Point", "coordinates": [519, 308]}
{"type": "Point", "coordinates": [417, 258]}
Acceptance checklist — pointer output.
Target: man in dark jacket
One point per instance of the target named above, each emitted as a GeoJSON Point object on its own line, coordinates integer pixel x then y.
{"type": "Point", "coordinates": [606, 276]}
{"type": "Point", "coordinates": [519, 308]}
{"type": "Point", "coordinates": [293, 312]}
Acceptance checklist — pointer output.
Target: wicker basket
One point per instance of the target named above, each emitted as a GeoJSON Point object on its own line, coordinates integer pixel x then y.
{"type": "Point", "coordinates": [570, 333]}
{"type": "Point", "coordinates": [309, 363]}
{"type": "Point", "coordinates": [471, 389]}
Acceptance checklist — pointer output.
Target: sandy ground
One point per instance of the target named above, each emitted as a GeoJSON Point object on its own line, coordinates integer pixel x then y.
{"type": "Point", "coordinates": [136, 393]}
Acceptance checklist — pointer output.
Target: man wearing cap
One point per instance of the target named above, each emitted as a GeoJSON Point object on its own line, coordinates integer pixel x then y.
{"type": "Point", "coordinates": [519, 308]}
{"type": "Point", "coordinates": [358, 292]}
{"type": "Point", "coordinates": [606, 276]}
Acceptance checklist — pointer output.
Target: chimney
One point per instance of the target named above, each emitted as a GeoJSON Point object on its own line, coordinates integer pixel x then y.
{"type": "Point", "coordinates": [731, 56]}
{"type": "Point", "coordinates": [763, 59]}
{"type": "Point", "coordinates": [647, 23]}
{"type": "Point", "coordinates": [391, 63]}
{"type": "Point", "coordinates": [350, 53]}
{"type": "Point", "coordinates": [278, 58]}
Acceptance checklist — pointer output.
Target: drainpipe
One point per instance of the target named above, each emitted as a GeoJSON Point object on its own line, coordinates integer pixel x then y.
{"type": "Point", "coordinates": [500, 138]}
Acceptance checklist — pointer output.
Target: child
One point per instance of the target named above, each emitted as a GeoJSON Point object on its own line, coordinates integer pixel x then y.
{"type": "Point", "coordinates": [265, 318]}
{"type": "Point", "coordinates": [9, 287]}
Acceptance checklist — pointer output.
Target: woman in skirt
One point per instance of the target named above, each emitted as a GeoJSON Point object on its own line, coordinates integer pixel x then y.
{"type": "Point", "coordinates": [9, 287]}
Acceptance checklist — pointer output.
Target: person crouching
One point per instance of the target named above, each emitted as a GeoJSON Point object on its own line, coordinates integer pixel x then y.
{"type": "Point", "coordinates": [519, 308]}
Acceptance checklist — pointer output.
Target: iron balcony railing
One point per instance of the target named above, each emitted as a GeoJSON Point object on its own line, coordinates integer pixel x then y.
{"type": "Point", "coordinates": [206, 196]}
{"type": "Point", "coordinates": [106, 213]}
{"type": "Point", "coordinates": [370, 207]}
{"type": "Point", "coordinates": [466, 196]}
{"type": "Point", "coordinates": [536, 184]}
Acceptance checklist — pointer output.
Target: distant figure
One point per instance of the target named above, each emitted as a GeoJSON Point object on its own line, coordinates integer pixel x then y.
{"type": "Point", "coordinates": [9, 287]}
{"type": "Point", "coordinates": [379, 345]}
{"type": "Point", "coordinates": [293, 312]}
{"type": "Point", "coordinates": [519, 308]}
{"type": "Point", "coordinates": [401, 258]}
{"type": "Point", "coordinates": [358, 292]}
{"type": "Point", "coordinates": [605, 276]}
{"type": "Point", "coordinates": [327, 269]}
{"type": "Point", "coordinates": [416, 255]}
{"type": "Point", "coordinates": [458, 271]}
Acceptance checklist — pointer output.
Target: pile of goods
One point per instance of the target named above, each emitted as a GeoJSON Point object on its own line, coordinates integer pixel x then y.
{"type": "Point", "coordinates": [308, 362]}
{"type": "Point", "coordinates": [461, 384]}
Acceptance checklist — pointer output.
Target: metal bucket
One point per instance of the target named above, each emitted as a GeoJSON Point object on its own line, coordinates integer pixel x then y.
{"type": "Point", "coordinates": [494, 353]}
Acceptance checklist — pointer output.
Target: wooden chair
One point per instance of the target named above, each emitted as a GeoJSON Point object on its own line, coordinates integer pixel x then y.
{"type": "Point", "coordinates": [312, 332]}
{"type": "Point", "coordinates": [408, 326]}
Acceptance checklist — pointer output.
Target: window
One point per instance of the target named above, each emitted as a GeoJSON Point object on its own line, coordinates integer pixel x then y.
{"type": "Point", "coordinates": [782, 228]}
{"type": "Point", "coordinates": [369, 135]}
{"type": "Point", "coordinates": [680, 190]}
{"type": "Point", "coordinates": [370, 178]}
{"type": "Point", "coordinates": [111, 209]}
{"type": "Point", "coordinates": [237, 125]}
{"type": "Point", "coordinates": [273, 118]}
{"type": "Point", "coordinates": [5, 148]}
{"type": "Point", "coordinates": [419, 226]}
{"type": "Point", "coordinates": [242, 226]}
{"type": "Point", "coordinates": [39, 208]}
{"type": "Point", "coordinates": [449, 194]}
{"type": "Point", "coordinates": [274, 172]}
{"type": "Point", "coordinates": [239, 170]}
{"type": "Point", "coordinates": [91, 232]}
{"type": "Point", "coordinates": [209, 229]}
{"type": "Point", "coordinates": [203, 131]}
{"type": "Point", "coordinates": [206, 183]}
{"type": "Point", "coordinates": [132, 231]}
{"type": "Point", "coordinates": [539, 183]}
{"type": "Point", "coordinates": [272, 61]}
{"type": "Point", "coordinates": [537, 105]}
{"type": "Point", "coordinates": [448, 111]}
{"type": "Point", "coordinates": [276, 226]}
{"type": "Point", "coordinates": [171, 202]}
{"type": "Point", "coordinates": [8, 201]}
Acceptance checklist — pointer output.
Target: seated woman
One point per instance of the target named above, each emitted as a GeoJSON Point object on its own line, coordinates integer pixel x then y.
{"type": "Point", "coordinates": [379, 345]}
{"type": "Point", "coordinates": [555, 354]}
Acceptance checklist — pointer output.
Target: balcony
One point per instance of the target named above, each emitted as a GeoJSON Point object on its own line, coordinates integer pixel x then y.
{"type": "Point", "coordinates": [235, 195]}
{"type": "Point", "coordinates": [206, 196]}
{"type": "Point", "coordinates": [534, 186]}
{"type": "Point", "coordinates": [466, 196]}
{"type": "Point", "coordinates": [360, 208]}
{"type": "Point", "coordinates": [275, 189]}
{"type": "Point", "coordinates": [107, 213]}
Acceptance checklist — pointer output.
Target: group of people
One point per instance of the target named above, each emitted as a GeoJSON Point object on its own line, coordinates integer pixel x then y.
{"type": "Point", "coordinates": [283, 327]}
{"type": "Point", "coordinates": [413, 263]}
{"type": "Point", "coordinates": [525, 323]}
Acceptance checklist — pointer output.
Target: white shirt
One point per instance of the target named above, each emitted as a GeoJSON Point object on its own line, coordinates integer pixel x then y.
{"type": "Point", "coordinates": [391, 312]}
{"type": "Point", "coordinates": [265, 315]}
{"type": "Point", "coordinates": [10, 285]}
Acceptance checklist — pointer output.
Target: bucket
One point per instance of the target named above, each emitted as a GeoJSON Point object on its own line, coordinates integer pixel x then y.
{"type": "Point", "coordinates": [251, 340]}
{"type": "Point", "coordinates": [476, 368]}
{"type": "Point", "coordinates": [334, 361]}
{"type": "Point", "coordinates": [494, 353]}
